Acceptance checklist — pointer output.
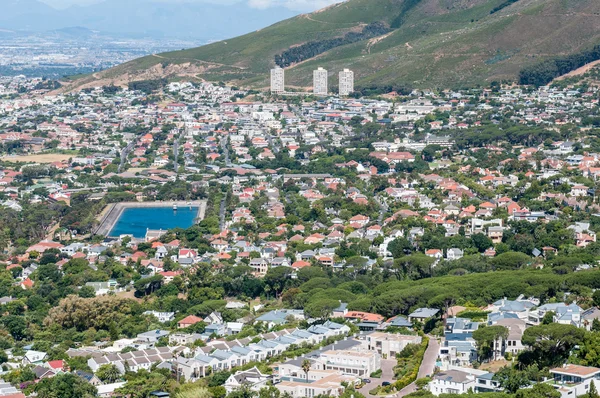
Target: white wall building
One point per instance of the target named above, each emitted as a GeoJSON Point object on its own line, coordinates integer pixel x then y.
{"type": "Point", "coordinates": [277, 80]}
{"type": "Point", "coordinates": [387, 344]}
{"type": "Point", "coordinates": [346, 85]}
{"type": "Point", "coordinates": [317, 382]}
{"type": "Point", "coordinates": [574, 380]}
{"type": "Point", "coordinates": [459, 380]}
{"type": "Point", "coordinates": [320, 81]}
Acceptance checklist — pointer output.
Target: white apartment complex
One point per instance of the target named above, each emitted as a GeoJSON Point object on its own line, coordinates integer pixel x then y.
{"type": "Point", "coordinates": [346, 82]}
{"type": "Point", "coordinates": [388, 344]}
{"type": "Point", "coordinates": [359, 363]}
{"type": "Point", "coordinates": [320, 81]}
{"type": "Point", "coordinates": [277, 80]}
{"type": "Point", "coordinates": [317, 382]}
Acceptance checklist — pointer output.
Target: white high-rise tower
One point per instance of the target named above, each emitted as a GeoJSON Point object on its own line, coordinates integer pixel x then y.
{"type": "Point", "coordinates": [320, 81]}
{"type": "Point", "coordinates": [277, 80]}
{"type": "Point", "coordinates": [346, 82]}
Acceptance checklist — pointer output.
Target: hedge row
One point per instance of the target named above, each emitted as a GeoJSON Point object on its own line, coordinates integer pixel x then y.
{"type": "Point", "coordinates": [411, 376]}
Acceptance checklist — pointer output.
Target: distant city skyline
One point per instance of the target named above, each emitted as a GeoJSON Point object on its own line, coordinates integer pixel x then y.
{"type": "Point", "coordinates": [295, 5]}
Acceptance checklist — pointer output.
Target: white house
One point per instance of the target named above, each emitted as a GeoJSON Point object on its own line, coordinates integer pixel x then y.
{"type": "Point", "coordinates": [251, 378]}
{"type": "Point", "coordinates": [456, 381]}
{"type": "Point", "coordinates": [574, 380]}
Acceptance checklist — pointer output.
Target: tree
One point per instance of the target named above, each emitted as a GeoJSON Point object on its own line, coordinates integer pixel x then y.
{"type": "Point", "coordinates": [16, 326]}
{"type": "Point", "coordinates": [422, 382]}
{"type": "Point", "coordinates": [481, 242]}
{"type": "Point", "coordinates": [277, 277]}
{"type": "Point", "coordinates": [306, 367]}
{"type": "Point", "coordinates": [551, 344]}
{"type": "Point", "coordinates": [548, 318]}
{"type": "Point", "coordinates": [593, 393]}
{"type": "Point", "coordinates": [415, 266]}
{"type": "Point", "coordinates": [74, 312]}
{"type": "Point", "coordinates": [487, 339]}
{"type": "Point", "coordinates": [399, 247]}
{"type": "Point", "coordinates": [149, 285]}
{"type": "Point", "coordinates": [87, 292]}
{"type": "Point", "coordinates": [143, 383]}
{"type": "Point", "coordinates": [596, 298]}
{"type": "Point", "coordinates": [108, 373]}
{"type": "Point", "coordinates": [242, 392]}
{"type": "Point", "coordinates": [539, 390]}
{"type": "Point", "coordinates": [511, 379]}
{"type": "Point", "coordinates": [595, 325]}
{"type": "Point", "coordinates": [321, 308]}
{"type": "Point", "coordinates": [193, 391]}
{"type": "Point", "coordinates": [65, 385]}
{"type": "Point", "coordinates": [510, 260]}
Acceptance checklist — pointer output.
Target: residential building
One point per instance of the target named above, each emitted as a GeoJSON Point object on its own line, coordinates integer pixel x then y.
{"type": "Point", "coordinates": [458, 380]}
{"type": "Point", "coordinates": [251, 378]}
{"type": "Point", "coordinates": [388, 344]}
{"type": "Point", "coordinates": [574, 380]}
{"type": "Point", "coordinates": [277, 80]}
{"type": "Point", "coordinates": [359, 363]}
{"type": "Point", "coordinates": [315, 383]}
{"type": "Point", "coordinates": [346, 82]}
{"type": "Point", "coordinates": [320, 82]}
{"type": "Point", "coordinates": [422, 314]}
{"type": "Point", "coordinates": [161, 316]}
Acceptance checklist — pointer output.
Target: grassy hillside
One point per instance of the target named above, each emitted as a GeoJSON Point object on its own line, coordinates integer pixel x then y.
{"type": "Point", "coordinates": [428, 43]}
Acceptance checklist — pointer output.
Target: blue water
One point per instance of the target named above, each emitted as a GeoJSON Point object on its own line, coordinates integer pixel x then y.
{"type": "Point", "coordinates": [135, 221]}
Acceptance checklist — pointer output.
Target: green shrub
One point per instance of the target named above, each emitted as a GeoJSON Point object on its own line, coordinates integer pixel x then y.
{"type": "Point", "coordinates": [376, 374]}
{"type": "Point", "coordinates": [408, 367]}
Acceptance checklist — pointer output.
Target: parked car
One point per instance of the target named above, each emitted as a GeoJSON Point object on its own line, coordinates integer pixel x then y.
{"type": "Point", "coordinates": [366, 380]}
{"type": "Point", "coordinates": [385, 383]}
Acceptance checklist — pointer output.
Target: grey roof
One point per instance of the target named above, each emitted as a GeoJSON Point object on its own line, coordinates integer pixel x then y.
{"type": "Point", "coordinates": [496, 316]}
{"type": "Point", "coordinates": [424, 313]}
{"type": "Point", "coordinates": [454, 376]}
{"type": "Point", "coordinates": [592, 313]}
{"type": "Point", "coordinates": [561, 308]}
{"type": "Point", "coordinates": [504, 302]}
{"type": "Point", "coordinates": [487, 376]}
{"type": "Point", "coordinates": [318, 329]}
{"type": "Point", "coordinates": [400, 321]}
{"type": "Point", "coordinates": [278, 316]}
{"type": "Point", "coordinates": [513, 306]}
{"type": "Point", "coordinates": [462, 323]}
{"type": "Point", "coordinates": [332, 325]}
{"type": "Point", "coordinates": [458, 336]}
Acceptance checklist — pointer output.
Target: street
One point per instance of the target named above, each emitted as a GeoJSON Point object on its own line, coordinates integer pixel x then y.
{"type": "Point", "coordinates": [427, 366]}
{"type": "Point", "coordinates": [387, 367]}
{"type": "Point", "coordinates": [225, 150]}
{"type": "Point", "coordinates": [176, 152]}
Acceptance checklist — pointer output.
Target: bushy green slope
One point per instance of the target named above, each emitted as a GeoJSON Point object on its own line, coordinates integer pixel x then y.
{"type": "Point", "coordinates": [432, 43]}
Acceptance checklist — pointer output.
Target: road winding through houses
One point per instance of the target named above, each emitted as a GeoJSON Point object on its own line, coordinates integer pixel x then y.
{"type": "Point", "coordinates": [427, 366]}
{"type": "Point", "coordinates": [387, 371]}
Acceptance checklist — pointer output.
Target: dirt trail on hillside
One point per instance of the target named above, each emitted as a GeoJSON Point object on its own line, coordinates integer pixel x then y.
{"type": "Point", "coordinates": [376, 40]}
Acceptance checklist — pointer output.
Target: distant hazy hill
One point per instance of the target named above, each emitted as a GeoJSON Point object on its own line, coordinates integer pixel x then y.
{"type": "Point", "coordinates": [431, 43]}
{"type": "Point", "coordinates": [197, 21]}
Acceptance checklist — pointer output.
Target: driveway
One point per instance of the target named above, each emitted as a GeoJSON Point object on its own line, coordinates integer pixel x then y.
{"type": "Point", "coordinates": [387, 367]}
{"type": "Point", "coordinates": [427, 366]}
{"type": "Point", "coordinates": [387, 374]}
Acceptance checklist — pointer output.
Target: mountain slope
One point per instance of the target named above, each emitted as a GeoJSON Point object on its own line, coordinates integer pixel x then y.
{"type": "Point", "coordinates": [429, 43]}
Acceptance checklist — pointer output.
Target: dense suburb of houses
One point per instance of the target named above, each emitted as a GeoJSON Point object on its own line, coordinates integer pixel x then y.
{"type": "Point", "coordinates": [409, 184]}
